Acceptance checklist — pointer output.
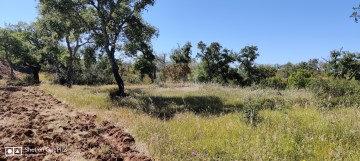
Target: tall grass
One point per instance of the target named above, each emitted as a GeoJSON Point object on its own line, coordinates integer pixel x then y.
{"type": "Point", "coordinates": [294, 130]}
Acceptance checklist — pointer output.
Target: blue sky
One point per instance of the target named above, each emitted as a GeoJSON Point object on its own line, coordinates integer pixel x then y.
{"type": "Point", "coordinates": [283, 30]}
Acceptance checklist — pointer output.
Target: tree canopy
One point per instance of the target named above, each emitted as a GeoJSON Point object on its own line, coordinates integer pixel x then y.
{"type": "Point", "coordinates": [113, 25]}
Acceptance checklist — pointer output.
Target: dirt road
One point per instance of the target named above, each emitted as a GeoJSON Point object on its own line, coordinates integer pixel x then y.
{"type": "Point", "coordinates": [47, 129]}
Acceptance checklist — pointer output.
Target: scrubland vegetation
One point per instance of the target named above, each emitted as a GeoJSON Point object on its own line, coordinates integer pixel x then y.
{"type": "Point", "coordinates": [216, 104]}
{"type": "Point", "coordinates": [210, 122]}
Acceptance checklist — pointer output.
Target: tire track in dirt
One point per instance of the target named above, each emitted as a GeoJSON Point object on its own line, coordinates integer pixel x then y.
{"type": "Point", "coordinates": [47, 129]}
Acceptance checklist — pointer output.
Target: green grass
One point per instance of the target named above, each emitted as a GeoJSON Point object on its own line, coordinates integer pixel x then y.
{"type": "Point", "coordinates": [216, 128]}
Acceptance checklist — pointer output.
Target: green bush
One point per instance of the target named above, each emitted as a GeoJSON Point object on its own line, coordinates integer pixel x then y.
{"type": "Point", "coordinates": [335, 93]}
{"type": "Point", "coordinates": [253, 106]}
{"type": "Point", "coordinates": [273, 82]}
{"type": "Point", "coordinates": [251, 110]}
{"type": "Point", "coordinates": [93, 76]}
{"type": "Point", "coordinates": [26, 80]}
{"type": "Point", "coordinates": [299, 79]}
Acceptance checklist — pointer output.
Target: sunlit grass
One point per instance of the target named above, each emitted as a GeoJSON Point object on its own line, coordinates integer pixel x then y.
{"type": "Point", "coordinates": [297, 131]}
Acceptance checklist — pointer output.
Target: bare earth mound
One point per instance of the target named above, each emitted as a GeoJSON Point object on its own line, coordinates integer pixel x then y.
{"type": "Point", "coordinates": [47, 129]}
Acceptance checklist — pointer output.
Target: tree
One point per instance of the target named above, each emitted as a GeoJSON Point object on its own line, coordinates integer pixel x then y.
{"type": "Point", "coordinates": [115, 26]}
{"type": "Point", "coordinates": [11, 48]}
{"type": "Point", "coordinates": [72, 32]}
{"type": "Point", "coordinates": [355, 14]}
{"type": "Point", "coordinates": [216, 62]}
{"type": "Point", "coordinates": [286, 69]}
{"type": "Point", "coordinates": [26, 53]}
{"type": "Point", "coordinates": [89, 56]}
{"type": "Point", "coordinates": [181, 57]}
{"type": "Point", "coordinates": [32, 36]}
{"type": "Point", "coordinates": [145, 63]}
{"type": "Point", "coordinates": [161, 65]}
{"type": "Point", "coordinates": [247, 57]}
{"type": "Point", "coordinates": [344, 65]}
{"type": "Point", "coordinates": [264, 72]}
{"type": "Point", "coordinates": [300, 78]}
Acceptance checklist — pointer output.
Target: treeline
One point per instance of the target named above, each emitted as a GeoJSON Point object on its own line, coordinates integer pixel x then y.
{"type": "Point", "coordinates": [216, 64]}
{"type": "Point", "coordinates": [32, 48]}
{"type": "Point", "coordinates": [95, 42]}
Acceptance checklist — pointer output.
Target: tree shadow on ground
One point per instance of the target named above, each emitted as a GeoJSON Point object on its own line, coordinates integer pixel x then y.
{"type": "Point", "coordinates": [165, 108]}
{"type": "Point", "coordinates": [10, 88]}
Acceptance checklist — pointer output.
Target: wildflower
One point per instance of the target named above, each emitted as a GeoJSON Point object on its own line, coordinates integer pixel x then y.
{"type": "Point", "coordinates": [193, 154]}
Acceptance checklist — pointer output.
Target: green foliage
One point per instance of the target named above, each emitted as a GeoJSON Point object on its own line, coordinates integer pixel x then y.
{"type": "Point", "coordinates": [273, 82]}
{"type": "Point", "coordinates": [146, 66]}
{"type": "Point", "coordinates": [112, 25]}
{"type": "Point", "coordinates": [12, 49]}
{"type": "Point", "coordinates": [253, 106]}
{"type": "Point", "coordinates": [286, 69]}
{"type": "Point", "coordinates": [89, 54]}
{"type": "Point", "coordinates": [182, 55]}
{"type": "Point", "coordinates": [335, 93]}
{"type": "Point", "coordinates": [215, 61]}
{"type": "Point", "coordinates": [247, 57]}
{"type": "Point", "coordinates": [181, 58]}
{"type": "Point", "coordinates": [251, 110]}
{"type": "Point", "coordinates": [26, 80]}
{"type": "Point", "coordinates": [97, 73]}
{"type": "Point", "coordinates": [263, 72]}
{"type": "Point", "coordinates": [344, 65]}
{"type": "Point", "coordinates": [299, 79]}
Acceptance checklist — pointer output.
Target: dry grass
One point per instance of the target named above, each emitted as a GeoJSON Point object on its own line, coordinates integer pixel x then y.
{"type": "Point", "coordinates": [296, 130]}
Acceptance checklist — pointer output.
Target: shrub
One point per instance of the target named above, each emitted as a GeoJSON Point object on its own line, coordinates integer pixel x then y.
{"type": "Point", "coordinates": [318, 85]}
{"type": "Point", "coordinates": [273, 82]}
{"type": "Point", "coordinates": [251, 109]}
{"type": "Point", "coordinates": [335, 93]}
{"type": "Point", "coordinates": [299, 79]}
{"type": "Point", "coordinates": [26, 80]}
{"type": "Point", "coordinates": [93, 76]}
{"type": "Point", "coordinates": [253, 106]}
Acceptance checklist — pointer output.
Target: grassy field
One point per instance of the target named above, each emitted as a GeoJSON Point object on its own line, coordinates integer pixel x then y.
{"type": "Point", "coordinates": [208, 122]}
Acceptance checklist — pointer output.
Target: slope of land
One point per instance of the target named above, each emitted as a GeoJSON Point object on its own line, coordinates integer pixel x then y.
{"type": "Point", "coordinates": [48, 129]}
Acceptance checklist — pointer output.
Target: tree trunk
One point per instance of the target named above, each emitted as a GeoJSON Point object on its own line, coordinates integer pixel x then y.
{"type": "Point", "coordinates": [69, 71]}
{"type": "Point", "coordinates": [164, 68]}
{"type": "Point", "coordinates": [209, 71]}
{"type": "Point", "coordinates": [12, 75]}
{"type": "Point", "coordinates": [152, 78]}
{"type": "Point", "coordinates": [115, 70]}
{"type": "Point", "coordinates": [154, 74]}
{"type": "Point", "coordinates": [36, 71]}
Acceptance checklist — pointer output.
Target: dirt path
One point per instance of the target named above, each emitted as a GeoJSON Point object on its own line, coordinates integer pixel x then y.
{"type": "Point", "coordinates": [47, 129]}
